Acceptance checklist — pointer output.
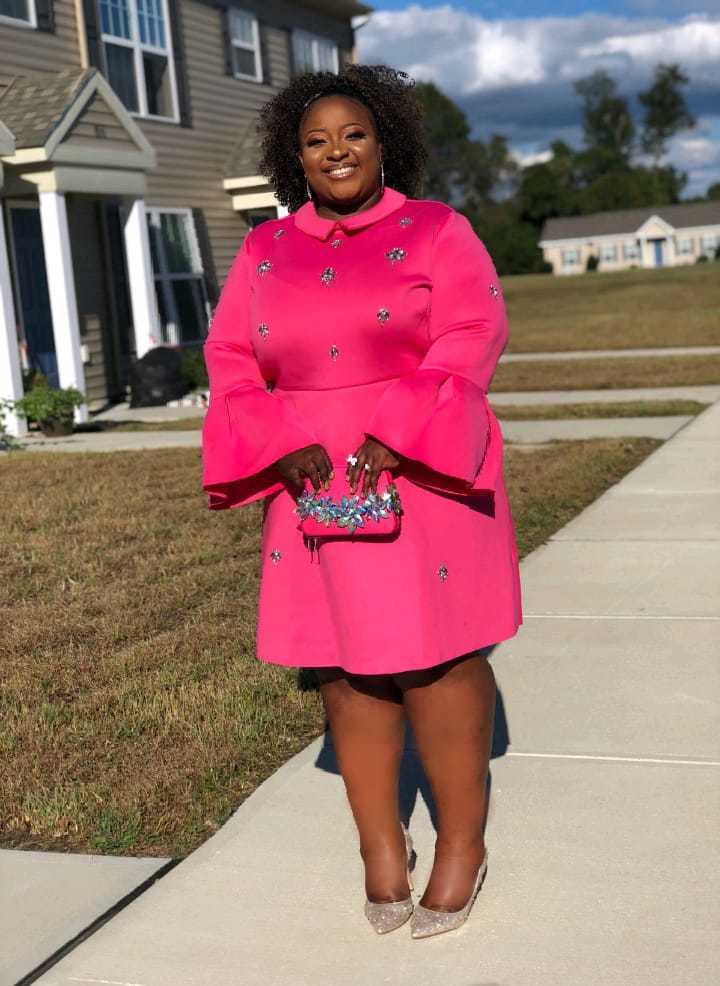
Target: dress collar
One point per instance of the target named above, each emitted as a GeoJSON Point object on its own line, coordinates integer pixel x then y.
{"type": "Point", "coordinates": [307, 219]}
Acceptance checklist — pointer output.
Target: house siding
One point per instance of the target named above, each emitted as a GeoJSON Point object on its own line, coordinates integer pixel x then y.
{"type": "Point", "coordinates": [24, 51]}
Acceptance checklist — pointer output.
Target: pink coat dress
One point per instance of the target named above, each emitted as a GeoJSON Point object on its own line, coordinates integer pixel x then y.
{"type": "Point", "coordinates": [388, 323]}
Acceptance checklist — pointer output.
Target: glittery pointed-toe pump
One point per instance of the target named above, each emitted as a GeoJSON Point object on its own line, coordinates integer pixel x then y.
{"type": "Point", "coordinates": [385, 916]}
{"type": "Point", "coordinates": [427, 922]}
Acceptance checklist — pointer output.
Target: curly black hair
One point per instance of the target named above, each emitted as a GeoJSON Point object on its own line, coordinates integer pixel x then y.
{"type": "Point", "coordinates": [386, 92]}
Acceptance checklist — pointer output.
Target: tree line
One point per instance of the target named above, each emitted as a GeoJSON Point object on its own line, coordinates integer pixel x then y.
{"type": "Point", "coordinates": [619, 165]}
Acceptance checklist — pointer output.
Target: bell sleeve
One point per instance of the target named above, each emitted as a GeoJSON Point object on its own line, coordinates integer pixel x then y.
{"type": "Point", "coordinates": [438, 417]}
{"type": "Point", "coordinates": [247, 428]}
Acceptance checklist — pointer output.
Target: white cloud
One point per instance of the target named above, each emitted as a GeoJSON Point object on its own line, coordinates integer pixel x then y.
{"type": "Point", "coordinates": [514, 76]}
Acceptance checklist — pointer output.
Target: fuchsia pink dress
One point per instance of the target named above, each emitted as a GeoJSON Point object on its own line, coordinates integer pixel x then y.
{"type": "Point", "coordinates": [387, 323]}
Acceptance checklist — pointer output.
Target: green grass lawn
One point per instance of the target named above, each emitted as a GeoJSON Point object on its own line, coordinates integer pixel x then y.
{"type": "Point", "coordinates": [623, 409]}
{"type": "Point", "coordinates": [134, 716]}
{"type": "Point", "coordinates": [674, 306]}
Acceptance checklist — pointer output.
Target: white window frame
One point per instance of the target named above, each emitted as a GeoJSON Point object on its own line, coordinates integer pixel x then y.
{"type": "Point", "coordinates": [254, 47]}
{"type": "Point", "coordinates": [708, 244]}
{"type": "Point", "coordinates": [139, 48]}
{"type": "Point", "coordinates": [609, 253]}
{"type": "Point", "coordinates": [164, 278]}
{"type": "Point", "coordinates": [575, 262]}
{"type": "Point", "coordinates": [31, 22]}
{"type": "Point", "coordinates": [631, 251]}
{"type": "Point", "coordinates": [685, 241]}
{"type": "Point", "coordinates": [314, 39]}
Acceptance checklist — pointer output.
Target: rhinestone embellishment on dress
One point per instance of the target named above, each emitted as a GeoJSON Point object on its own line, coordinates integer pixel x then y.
{"type": "Point", "coordinates": [405, 221]}
{"type": "Point", "coordinates": [494, 290]}
{"type": "Point", "coordinates": [443, 573]}
{"type": "Point", "coordinates": [278, 233]}
{"type": "Point", "coordinates": [263, 267]}
{"type": "Point", "coordinates": [336, 243]}
{"type": "Point", "coordinates": [275, 555]}
{"type": "Point", "coordinates": [383, 315]}
{"type": "Point", "coordinates": [263, 329]}
{"type": "Point", "coordinates": [328, 275]}
{"type": "Point", "coordinates": [334, 352]}
{"type": "Point", "coordinates": [395, 255]}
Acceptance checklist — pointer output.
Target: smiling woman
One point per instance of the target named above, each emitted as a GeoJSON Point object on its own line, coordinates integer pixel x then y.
{"type": "Point", "coordinates": [354, 345]}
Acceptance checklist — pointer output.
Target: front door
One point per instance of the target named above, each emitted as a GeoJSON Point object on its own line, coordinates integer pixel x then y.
{"type": "Point", "coordinates": [32, 290]}
{"type": "Point", "coordinates": [659, 255]}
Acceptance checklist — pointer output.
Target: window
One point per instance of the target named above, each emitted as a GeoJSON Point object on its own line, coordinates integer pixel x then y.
{"type": "Point", "coordinates": [138, 56]}
{"type": "Point", "coordinates": [18, 10]}
{"type": "Point", "coordinates": [312, 53]}
{"type": "Point", "coordinates": [608, 252]}
{"type": "Point", "coordinates": [685, 246]}
{"type": "Point", "coordinates": [179, 281]}
{"type": "Point", "coordinates": [571, 257]}
{"type": "Point", "coordinates": [257, 216]}
{"type": "Point", "coordinates": [631, 251]}
{"type": "Point", "coordinates": [708, 244]}
{"type": "Point", "coordinates": [245, 45]}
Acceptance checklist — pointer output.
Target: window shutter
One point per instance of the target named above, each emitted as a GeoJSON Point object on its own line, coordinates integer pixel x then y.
{"type": "Point", "coordinates": [203, 241]}
{"type": "Point", "coordinates": [178, 43]}
{"type": "Point", "coordinates": [92, 32]}
{"type": "Point", "coordinates": [265, 54]}
{"type": "Point", "coordinates": [227, 47]}
{"type": "Point", "coordinates": [45, 15]}
{"type": "Point", "coordinates": [291, 55]}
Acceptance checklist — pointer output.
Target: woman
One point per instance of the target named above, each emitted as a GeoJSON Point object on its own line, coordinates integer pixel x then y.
{"type": "Point", "coordinates": [361, 332]}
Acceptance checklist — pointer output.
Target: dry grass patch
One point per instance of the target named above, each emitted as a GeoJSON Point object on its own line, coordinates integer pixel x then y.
{"type": "Point", "coordinates": [607, 374]}
{"type": "Point", "coordinates": [623, 409]}
{"type": "Point", "coordinates": [676, 306]}
{"type": "Point", "coordinates": [134, 716]}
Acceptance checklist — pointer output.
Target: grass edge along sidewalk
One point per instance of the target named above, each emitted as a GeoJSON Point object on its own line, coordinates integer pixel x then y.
{"type": "Point", "coordinates": [135, 715]}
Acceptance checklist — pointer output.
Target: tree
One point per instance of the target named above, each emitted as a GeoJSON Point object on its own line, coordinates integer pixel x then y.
{"type": "Point", "coordinates": [666, 111]}
{"type": "Point", "coordinates": [608, 127]}
{"type": "Point", "coordinates": [448, 134]}
{"type": "Point", "coordinates": [713, 193]}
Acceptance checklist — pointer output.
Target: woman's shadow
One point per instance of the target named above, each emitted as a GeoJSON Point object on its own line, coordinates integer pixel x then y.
{"type": "Point", "coordinates": [413, 781]}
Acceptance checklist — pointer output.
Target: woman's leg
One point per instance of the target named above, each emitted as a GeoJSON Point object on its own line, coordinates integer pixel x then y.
{"type": "Point", "coordinates": [451, 709]}
{"type": "Point", "coordinates": [366, 718]}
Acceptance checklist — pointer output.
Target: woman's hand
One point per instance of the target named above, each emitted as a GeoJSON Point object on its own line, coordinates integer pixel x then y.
{"type": "Point", "coordinates": [312, 462]}
{"type": "Point", "coordinates": [378, 457]}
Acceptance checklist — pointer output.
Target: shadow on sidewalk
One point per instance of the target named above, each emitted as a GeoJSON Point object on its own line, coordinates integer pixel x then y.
{"type": "Point", "coordinates": [413, 780]}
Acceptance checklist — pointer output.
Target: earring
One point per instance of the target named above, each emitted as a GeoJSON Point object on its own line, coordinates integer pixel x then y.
{"type": "Point", "coordinates": [307, 186]}
{"type": "Point", "coordinates": [382, 177]}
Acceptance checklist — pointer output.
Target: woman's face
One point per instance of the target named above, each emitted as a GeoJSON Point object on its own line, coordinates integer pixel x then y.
{"type": "Point", "coordinates": [340, 152]}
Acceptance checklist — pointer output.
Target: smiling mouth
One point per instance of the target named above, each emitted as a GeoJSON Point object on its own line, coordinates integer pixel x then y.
{"type": "Point", "coordinates": [344, 172]}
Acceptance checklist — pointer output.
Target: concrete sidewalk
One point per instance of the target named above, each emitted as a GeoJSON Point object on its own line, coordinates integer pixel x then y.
{"type": "Point", "coordinates": [609, 353]}
{"type": "Point", "coordinates": [605, 793]}
{"type": "Point", "coordinates": [704, 394]}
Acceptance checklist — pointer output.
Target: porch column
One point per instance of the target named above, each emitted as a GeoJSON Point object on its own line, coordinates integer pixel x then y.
{"type": "Point", "coordinates": [61, 288]}
{"type": "Point", "coordinates": [140, 278]}
{"type": "Point", "coordinates": [11, 387]}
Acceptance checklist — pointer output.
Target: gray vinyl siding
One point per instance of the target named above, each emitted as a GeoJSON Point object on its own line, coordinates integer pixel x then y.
{"type": "Point", "coordinates": [97, 126]}
{"type": "Point", "coordinates": [191, 160]}
{"type": "Point", "coordinates": [24, 51]}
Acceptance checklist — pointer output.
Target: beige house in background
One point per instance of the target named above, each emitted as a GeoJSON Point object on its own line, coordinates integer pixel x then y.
{"type": "Point", "coordinates": [662, 236]}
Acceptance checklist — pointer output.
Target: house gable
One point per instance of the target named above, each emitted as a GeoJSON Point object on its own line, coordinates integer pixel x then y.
{"type": "Point", "coordinates": [655, 228]}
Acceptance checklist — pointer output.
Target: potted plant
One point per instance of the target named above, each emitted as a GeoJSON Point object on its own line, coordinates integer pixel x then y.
{"type": "Point", "coordinates": [51, 407]}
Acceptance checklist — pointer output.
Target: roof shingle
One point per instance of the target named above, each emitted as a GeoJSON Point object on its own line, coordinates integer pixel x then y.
{"type": "Point", "coordinates": [33, 107]}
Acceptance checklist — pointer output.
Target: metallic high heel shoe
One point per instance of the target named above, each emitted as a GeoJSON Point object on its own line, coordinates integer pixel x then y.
{"type": "Point", "coordinates": [385, 916]}
{"type": "Point", "coordinates": [427, 922]}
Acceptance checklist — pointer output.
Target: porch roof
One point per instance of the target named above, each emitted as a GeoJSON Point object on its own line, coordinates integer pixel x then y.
{"type": "Point", "coordinates": [33, 108]}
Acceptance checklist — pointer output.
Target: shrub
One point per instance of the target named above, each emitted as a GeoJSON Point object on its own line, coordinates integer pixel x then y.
{"type": "Point", "coordinates": [193, 369]}
{"type": "Point", "coordinates": [593, 262]}
{"type": "Point", "coordinates": [51, 407]}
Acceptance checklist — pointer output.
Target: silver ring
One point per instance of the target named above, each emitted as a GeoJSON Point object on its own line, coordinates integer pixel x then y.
{"type": "Point", "coordinates": [352, 459]}
{"type": "Point", "coordinates": [366, 467]}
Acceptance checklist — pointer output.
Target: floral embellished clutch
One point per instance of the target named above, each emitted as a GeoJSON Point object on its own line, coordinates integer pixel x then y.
{"type": "Point", "coordinates": [337, 512]}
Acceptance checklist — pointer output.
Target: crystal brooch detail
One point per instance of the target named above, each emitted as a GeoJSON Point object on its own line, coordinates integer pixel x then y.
{"type": "Point", "coordinates": [395, 255]}
{"type": "Point", "coordinates": [263, 329]}
{"type": "Point", "coordinates": [275, 555]}
{"type": "Point", "coordinates": [263, 267]}
{"type": "Point", "coordinates": [334, 352]}
{"type": "Point", "coordinates": [442, 572]}
{"type": "Point", "coordinates": [383, 315]}
{"type": "Point", "coordinates": [328, 275]}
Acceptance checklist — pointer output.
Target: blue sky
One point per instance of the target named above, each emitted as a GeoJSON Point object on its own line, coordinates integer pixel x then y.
{"type": "Point", "coordinates": [511, 65]}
